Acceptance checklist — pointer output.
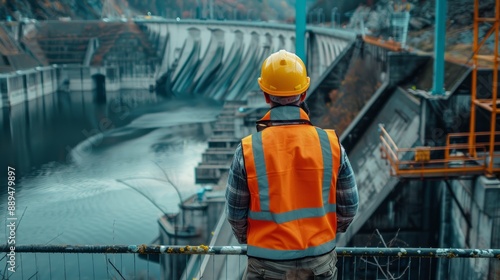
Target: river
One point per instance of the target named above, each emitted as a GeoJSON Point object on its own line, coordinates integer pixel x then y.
{"type": "Point", "coordinates": [68, 151]}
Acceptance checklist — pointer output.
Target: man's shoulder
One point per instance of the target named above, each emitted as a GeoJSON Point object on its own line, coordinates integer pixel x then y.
{"type": "Point", "coordinates": [329, 131]}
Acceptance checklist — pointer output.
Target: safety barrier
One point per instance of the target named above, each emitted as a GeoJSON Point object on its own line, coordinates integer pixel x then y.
{"type": "Point", "coordinates": [457, 158]}
{"type": "Point", "coordinates": [147, 262]}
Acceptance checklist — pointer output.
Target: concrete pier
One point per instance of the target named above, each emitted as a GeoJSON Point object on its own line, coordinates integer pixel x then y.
{"type": "Point", "coordinates": [26, 85]}
{"type": "Point", "coordinates": [217, 158]}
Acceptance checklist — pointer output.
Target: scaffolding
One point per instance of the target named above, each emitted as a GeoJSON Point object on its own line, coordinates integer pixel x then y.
{"type": "Point", "coordinates": [486, 104]}
{"type": "Point", "coordinates": [439, 162]}
{"type": "Point", "coordinates": [465, 153]}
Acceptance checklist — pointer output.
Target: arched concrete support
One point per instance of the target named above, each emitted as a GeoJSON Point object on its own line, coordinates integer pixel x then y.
{"type": "Point", "coordinates": [187, 62]}
{"type": "Point", "coordinates": [210, 62]}
{"type": "Point", "coordinates": [229, 68]}
{"type": "Point", "coordinates": [247, 67]}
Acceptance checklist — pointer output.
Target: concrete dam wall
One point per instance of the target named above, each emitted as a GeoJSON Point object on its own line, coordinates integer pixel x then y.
{"type": "Point", "coordinates": [216, 59]}
{"type": "Point", "coordinates": [221, 60]}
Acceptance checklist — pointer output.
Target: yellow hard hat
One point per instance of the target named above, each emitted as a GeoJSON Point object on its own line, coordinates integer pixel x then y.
{"type": "Point", "coordinates": [283, 74]}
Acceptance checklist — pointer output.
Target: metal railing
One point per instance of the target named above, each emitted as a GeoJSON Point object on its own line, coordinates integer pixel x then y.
{"type": "Point", "coordinates": [454, 159]}
{"type": "Point", "coordinates": [149, 262]}
{"type": "Point", "coordinates": [388, 44]}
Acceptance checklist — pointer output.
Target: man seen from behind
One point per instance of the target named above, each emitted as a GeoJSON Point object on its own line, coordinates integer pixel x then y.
{"type": "Point", "coordinates": [291, 187]}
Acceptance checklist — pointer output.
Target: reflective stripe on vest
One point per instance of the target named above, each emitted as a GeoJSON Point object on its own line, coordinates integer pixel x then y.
{"type": "Point", "coordinates": [284, 219]}
{"type": "Point", "coordinates": [290, 254]}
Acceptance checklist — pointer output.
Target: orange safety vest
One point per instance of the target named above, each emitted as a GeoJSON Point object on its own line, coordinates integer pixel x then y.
{"type": "Point", "coordinates": [292, 170]}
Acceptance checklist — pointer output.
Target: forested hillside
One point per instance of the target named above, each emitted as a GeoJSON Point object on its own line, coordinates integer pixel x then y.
{"type": "Point", "coordinates": [93, 9]}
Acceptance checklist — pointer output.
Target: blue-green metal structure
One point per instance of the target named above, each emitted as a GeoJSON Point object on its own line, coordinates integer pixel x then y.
{"type": "Point", "coordinates": [439, 46]}
{"type": "Point", "coordinates": [300, 29]}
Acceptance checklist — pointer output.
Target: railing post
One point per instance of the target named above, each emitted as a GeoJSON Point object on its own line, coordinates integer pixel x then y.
{"type": "Point", "coordinates": [447, 150]}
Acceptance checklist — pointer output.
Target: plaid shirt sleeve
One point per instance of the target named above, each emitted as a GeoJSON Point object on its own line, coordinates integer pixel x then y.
{"type": "Point", "coordinates": [347, 194]}
{"type": "Point", "coordinates": [237, 197]}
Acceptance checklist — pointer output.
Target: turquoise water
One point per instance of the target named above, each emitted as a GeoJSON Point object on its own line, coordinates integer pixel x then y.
{"type": "Point", "coordinates": [69, 151]}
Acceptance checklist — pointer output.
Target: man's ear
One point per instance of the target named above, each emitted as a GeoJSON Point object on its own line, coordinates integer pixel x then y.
{"type": "Point", "coordinates": [303, 96]}
{"type": "Point", "coordinates": [268, 100]}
